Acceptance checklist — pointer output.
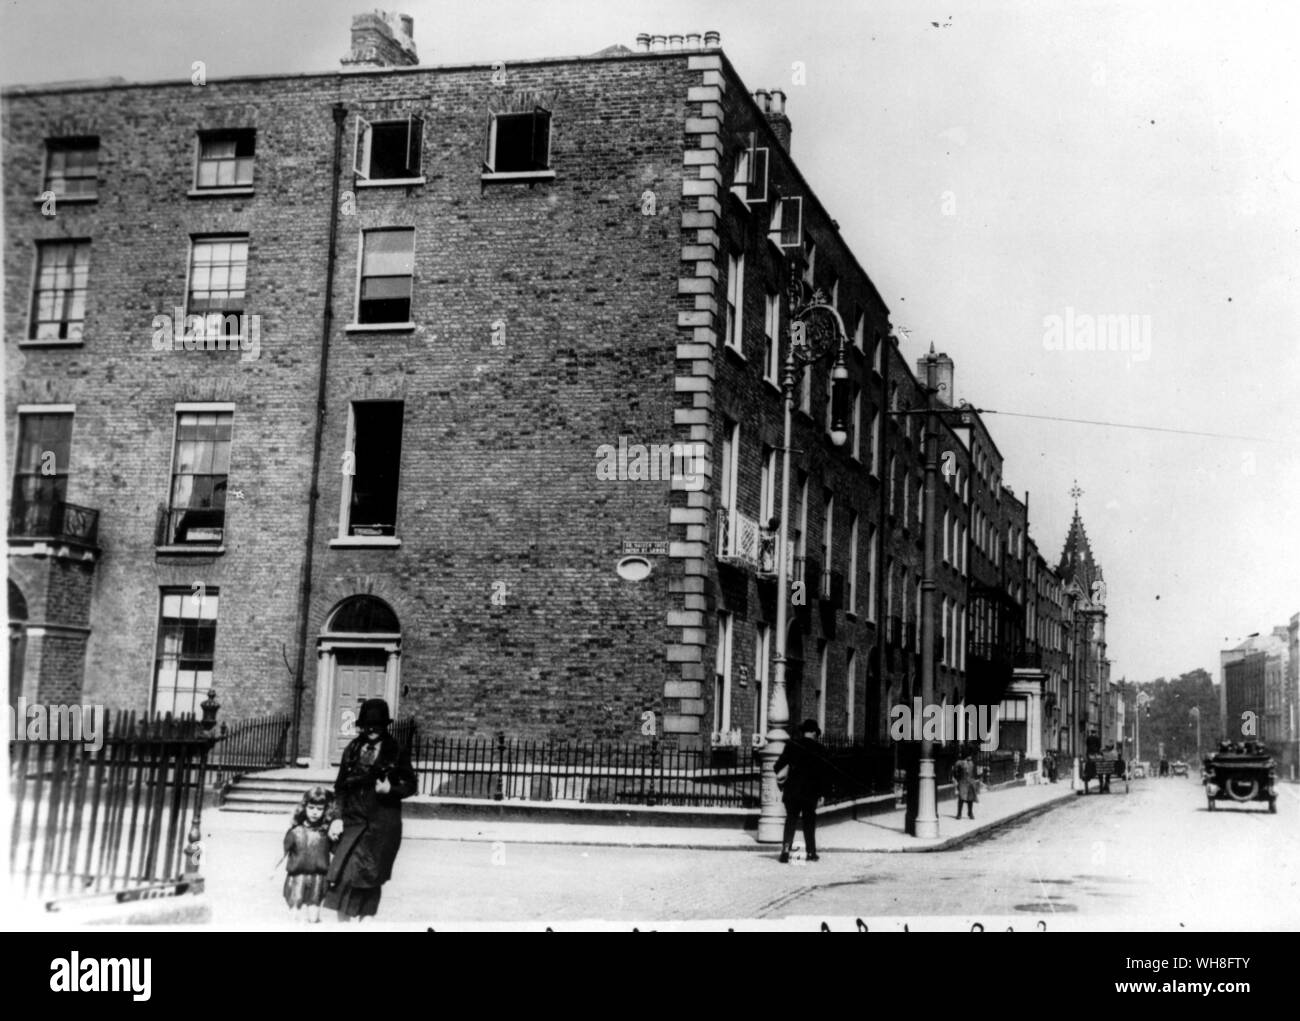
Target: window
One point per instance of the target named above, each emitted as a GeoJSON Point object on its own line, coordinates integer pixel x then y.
{"type": "Point", "coordinates": [860, 332]}
{"type": "Point", "coordinates": [388, 150]}
{"type": "Point", "coordinates": [907, 486]}
{"type": "Point", "coordinates": [834, 292]}
{"type": "Point", "coordinates": [40, 470]}
{"type": "Point", "coordinates": [72, 167]}
{"type": "Point", "coordinates": [732, 330]}
{"type": "Point", "coordinates": [945, 538]}
{"type": "Point", "coordinates": [943, 624]}
{"type": "Point", "coordinates": [218, 274]}
{"type": "Point", "coordinates": [771, 338]}
{"type": "Point", "coordinates": [828, 535]}
{"type": "Point", "coordinates": [805, 390]}
{"type": "Point", "coordinates": [749, 181]}
{"type": "Point", "coordinates": [767, 488]}
{"type": "Point", "coordinates": [850, 679]}
{"type": "Point", "coordinates": [722, 676]}
{"type": "Point", "coordinates": [876, 356]}
{"type": "Point", "coordinates": [225, 160]}
{"type": "Point", "coordinates": [187, 635]}
{"type": "Point", "coordinates": [519, 144]}
{"type": "Point", "coordinates": [920, 505]}
{"type": "Point", "coordinates": [387, 271]}
{"type": "Point", "coordinates": [853, 563]}
{"type": "Point", "coordinates": [823, 658]}
{"type": "Point", "coordinates": [889, 591]}
{"type": "Point", "coordinates": [872, 543]}
{"type": "Point", "coordinates": [370, 473]}
{"type": "Point", "coordinates": [857, 423]}
{"type": "Point", "coordinates": [785, 228]}
{"type": "Point", "coordinates": [801, 539]}
{"type": "Point", "coordinates": [810, 262]}
{"type": "Point", "coordinates": [762, 659]}
{"type": "Point", "coordinates": [727, 482]}
{"type": "Point", "coordinates": [873, 443]}
{"type": "Point", "coordinates": [196, 507]}
{"type": "Point", "coordinates": [59, 300]}
{"type": "Point", "coordinates": [893, 485]}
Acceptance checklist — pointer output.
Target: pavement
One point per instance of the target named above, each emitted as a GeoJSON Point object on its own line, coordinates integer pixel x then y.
{"type": "Point", "coordinates": [490, 869]}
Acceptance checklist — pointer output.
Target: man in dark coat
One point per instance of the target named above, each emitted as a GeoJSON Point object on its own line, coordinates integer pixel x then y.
{"type": "Point", "coordinates": [374, 777]}
{"type": "Point", "coordinates": [805, 783]}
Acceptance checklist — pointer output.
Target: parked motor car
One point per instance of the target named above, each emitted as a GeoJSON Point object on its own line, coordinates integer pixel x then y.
{"type": "Point", "coordinates": [1179, 769]}
{"type": "Point", "coordinates": [1139, 770]}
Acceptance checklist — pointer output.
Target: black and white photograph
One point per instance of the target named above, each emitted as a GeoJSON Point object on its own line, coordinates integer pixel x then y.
{"type": "Point", "coordinates": [677, 466]}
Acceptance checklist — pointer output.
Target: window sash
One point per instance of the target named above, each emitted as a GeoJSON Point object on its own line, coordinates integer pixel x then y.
{"type": "Point", "coordinates": [59, 297]}
{"type": "Point", "coordinates": [225, 160]}
{"type": "Point", "coordinates": [72, 168]}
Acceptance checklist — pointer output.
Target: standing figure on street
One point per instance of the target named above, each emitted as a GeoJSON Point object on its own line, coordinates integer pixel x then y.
{"type": "Point", "coordinates": [967, 782]}
{"type": "Point", "coordinates": [374, 776]}
{"type": "Point", "coordinates": [307, 848]}
{"type": "Point", "coordinates": [804, 785]}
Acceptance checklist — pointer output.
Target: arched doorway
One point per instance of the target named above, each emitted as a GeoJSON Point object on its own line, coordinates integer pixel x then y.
{"type": "Point", "coordinates": [358, 656]}
{"type": "Point", "coordinates": [17, 642]}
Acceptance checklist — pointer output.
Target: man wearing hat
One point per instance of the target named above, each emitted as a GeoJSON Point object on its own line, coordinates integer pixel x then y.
{"type": "Point", "coordinates": [374, 777]}
{"type": "Point", "coordinates": [804, 784]}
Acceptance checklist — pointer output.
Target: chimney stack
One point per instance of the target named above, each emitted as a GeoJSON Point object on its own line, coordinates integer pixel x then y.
{"type": "Point", "coordinates": [943, 376]}
{"type": "Point", "coordinates": [643, 42]}
{"type": "Point", "coordinates": [381, 39]}
{"type": "Point", "coordinates": [777, 118]}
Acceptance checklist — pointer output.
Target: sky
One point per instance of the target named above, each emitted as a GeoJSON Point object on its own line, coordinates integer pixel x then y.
{"type": "Point", "coordinates": [1008, 173]}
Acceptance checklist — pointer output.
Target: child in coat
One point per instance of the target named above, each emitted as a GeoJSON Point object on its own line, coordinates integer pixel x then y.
{"type": "Point", "coordinates": [307, 847]}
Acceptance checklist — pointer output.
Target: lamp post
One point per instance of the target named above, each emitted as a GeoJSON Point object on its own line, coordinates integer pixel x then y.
{"type": "Point", "coordinates": [1142, 699]}
{"type": "Point", "coordinates": [1196, 711]}
{"type": "Point", "coordinates": [926, 824]}
{"type": "Point", "coordinates": [804, 349]}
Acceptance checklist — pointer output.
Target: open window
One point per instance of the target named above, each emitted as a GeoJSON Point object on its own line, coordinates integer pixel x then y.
{"type": "Point", "coordinates": [519, 144]}
{"type": "Point", "coordinates": [785, 228]}
{"type": "Point", "coordinates": [749, 180]}
{"type": "Point", "coordinates": [388, 151]}
{"type": "Point", "coordinates": [371, 473]}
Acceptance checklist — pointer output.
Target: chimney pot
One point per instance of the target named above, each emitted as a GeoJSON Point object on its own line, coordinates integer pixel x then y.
{"type": "Point", "coordinates": [712, 39]}
{"type": "Point", "coordinates": [777, 118]}
{"type": "Point", "coordinates": [674, 42]}
{"type": "Point", "coordinates": [408, 26]}
{"type": "Point", "coordinates": [692, 40]}
{"type": "Point", "coordinates": [658, 43]}
{"type": "Point", "coordinates": [643, 42]}
{"type": "Point", "coordinates": [764, 100]}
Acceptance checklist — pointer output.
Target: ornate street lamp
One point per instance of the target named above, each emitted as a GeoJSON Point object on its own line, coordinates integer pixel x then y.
{"type": "Point", "coordinates": [816, 331]}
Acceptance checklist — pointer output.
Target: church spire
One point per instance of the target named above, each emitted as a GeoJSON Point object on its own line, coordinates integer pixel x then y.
{"type": "Point", "coordinates": [1077, 563]}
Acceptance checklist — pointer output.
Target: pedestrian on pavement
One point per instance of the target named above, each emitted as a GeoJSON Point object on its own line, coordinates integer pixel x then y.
{"type": "Point", "coordinates": [307, 848]}
{"type": "Point", "coordinates": [965, 778]}
{"type": "Point", "coordinates": [808, 763]}
{"type": "Point", "coordinates": [374, 777]}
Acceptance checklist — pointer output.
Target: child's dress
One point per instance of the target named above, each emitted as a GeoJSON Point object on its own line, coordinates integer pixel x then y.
{"type": "Point", "coordinates": [308, 851]}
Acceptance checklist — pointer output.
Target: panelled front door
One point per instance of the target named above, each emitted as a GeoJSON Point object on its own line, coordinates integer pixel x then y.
{"type": "Point", "coordinates": [359, 674]}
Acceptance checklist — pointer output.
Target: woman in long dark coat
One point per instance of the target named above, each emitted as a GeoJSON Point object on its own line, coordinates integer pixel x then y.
{"type": "Point", "coordinates": [374, 777]}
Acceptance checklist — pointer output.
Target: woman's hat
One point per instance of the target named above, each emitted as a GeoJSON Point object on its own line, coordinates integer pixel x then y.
{"type": "Point", "coordinates": [810, 727]}
{"type": "Point", "coordinates": [374, 713]}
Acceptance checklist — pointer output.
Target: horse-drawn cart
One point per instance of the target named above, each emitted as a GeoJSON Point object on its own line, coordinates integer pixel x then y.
{"type": "Point", "coordinates": [1240, 774]}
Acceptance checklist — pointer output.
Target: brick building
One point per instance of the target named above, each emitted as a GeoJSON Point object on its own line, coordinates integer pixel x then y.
{"type": "Point", "coordinates": [460, 386]}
